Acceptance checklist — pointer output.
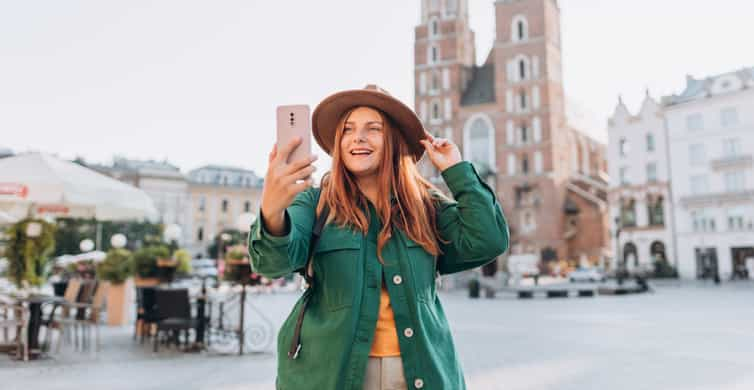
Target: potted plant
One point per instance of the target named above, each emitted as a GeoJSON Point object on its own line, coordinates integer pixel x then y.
{"type": "Point", "coordinates": [117, 269]}
{"type": "Point", "coordinates": [145, 264]}
{"type": "Point", "coordinates": [237, 266]}
{"type": "Point", "coordinates": [183, 258]}
{"type": "Point", "coordinates": [30, 244]}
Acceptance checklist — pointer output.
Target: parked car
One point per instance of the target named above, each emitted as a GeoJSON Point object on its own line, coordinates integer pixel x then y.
{"type": "Point", "coordinates": [586, 275]}
{"type": "Point", "coordinates": [202, 268]}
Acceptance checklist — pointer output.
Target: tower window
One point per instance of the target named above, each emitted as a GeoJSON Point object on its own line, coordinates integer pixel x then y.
{"type": "Point", "coordinates": [224, 205]}
{"type": "Point", "coordinates": [522, 100]}
{"type": "Point", "coordinates": [434, 29]}
{"type": "Point", "coordinates": [521, 69]}
{"type": "Point", "coordinates": [519, 29]}
{"type": "Point", "coordinates": [435, 110]}
{"type": "Point", "coordinates": [434, 54]}
{"type": "Point", "coordinates": [525, 165]}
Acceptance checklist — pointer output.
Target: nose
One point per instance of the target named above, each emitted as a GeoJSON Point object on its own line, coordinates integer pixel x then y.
{"type": "Point", "coordinates": [361, 137]}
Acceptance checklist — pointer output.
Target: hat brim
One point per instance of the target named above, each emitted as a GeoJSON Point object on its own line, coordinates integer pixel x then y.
{"type": "Point", "coordinates": [328, 112]}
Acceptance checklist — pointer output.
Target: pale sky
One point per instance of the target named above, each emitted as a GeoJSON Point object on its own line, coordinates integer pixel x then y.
{"type": "Point", "coordinates": [197, 82]}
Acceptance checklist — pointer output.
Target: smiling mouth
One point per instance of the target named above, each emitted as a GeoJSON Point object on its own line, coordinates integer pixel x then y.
{"type": "Point", "coordinates": [361, 152]}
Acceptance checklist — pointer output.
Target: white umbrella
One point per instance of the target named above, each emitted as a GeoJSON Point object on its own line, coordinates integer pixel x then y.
{"type": "Point", "coordinates": [47, 184]}
{"type": "Point", "coordinates": [7, 218]}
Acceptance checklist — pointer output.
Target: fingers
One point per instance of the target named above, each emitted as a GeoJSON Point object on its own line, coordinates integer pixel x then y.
{"type": "Point", "coordinates": [427, 144]}
{"type": "Point", "coordinates": [297, 165]}
{"type": "Point", "coordinates": [298, 187]}
{"type": "Point", "coordinates": [273, 153]}
{"type": "Point", "coordinates": [440, 142]}
{"type": "Point", "coordinates": [303, 173]}
{"type": "Point", "coordinates": [286, 150]}
{"type": "Point", "coordinates": [429, 136]}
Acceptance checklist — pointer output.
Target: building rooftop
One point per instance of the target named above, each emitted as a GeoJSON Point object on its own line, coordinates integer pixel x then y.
{"type": "Point", "coordinates": [481, 88]}
{"type": "Point", "coordinates": [713, 85]}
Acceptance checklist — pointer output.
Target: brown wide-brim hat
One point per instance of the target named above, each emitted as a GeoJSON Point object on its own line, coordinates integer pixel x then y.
{"type": "Point", "coordinates": [330, 111]}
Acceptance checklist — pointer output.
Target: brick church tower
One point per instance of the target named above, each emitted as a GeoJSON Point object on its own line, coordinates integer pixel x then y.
{"type": "Point", "coordinates": [508, 116]}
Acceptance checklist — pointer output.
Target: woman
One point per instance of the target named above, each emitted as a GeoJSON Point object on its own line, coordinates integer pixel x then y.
{"type": "Point", "coordinates": [372, 319]}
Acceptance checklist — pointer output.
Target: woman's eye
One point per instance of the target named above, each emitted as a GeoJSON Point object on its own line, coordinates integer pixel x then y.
{"type": "Point", "coordinates": [347, 129]}
{"type": "Point", "coordinates": [376, 129]}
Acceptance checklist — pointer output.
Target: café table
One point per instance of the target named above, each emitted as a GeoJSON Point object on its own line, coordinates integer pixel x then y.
{"type": "Point", "coordinates": [35, 302]}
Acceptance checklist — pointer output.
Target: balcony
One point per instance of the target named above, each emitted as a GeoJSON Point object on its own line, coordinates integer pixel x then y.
{"type": "Point", "coordinates": [717, 198]}
{"type": "Point", "coordinates": [738, 161]}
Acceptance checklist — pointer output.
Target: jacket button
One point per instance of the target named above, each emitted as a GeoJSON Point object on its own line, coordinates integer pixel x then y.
{"type": "Point", "coordinates": [408, 332]}
{"type": "Point", "coordinates": [418, 383]}
{"type": "Point", "coordinates": [397, 279]}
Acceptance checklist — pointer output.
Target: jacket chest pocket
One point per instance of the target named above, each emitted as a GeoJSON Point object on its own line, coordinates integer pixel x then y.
{"type": "Point", "coordinates": [336, 260]}
{"type": "Point", "coordinates": [423, 271]}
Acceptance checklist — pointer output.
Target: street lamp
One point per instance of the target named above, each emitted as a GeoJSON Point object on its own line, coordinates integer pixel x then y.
{"type": "Point", "coordinates": [86, 245]}
{"type": "Point", "coordinates": [118, 241]}
{"type": "Point", "coordinates": [618, 260]}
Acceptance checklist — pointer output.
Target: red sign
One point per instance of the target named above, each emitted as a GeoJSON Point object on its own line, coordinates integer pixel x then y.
{"type": "Point", "coordinates": [52, 209]}
{"type": "Point", "coordinates": [14, 189]}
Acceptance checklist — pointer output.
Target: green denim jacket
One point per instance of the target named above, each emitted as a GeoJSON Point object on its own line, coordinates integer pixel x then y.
{"type": "Point", "coordinates": [340, 321]}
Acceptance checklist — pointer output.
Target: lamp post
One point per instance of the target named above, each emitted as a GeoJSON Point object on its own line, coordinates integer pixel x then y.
{"type": "Point", "coordinates": [86, 245]}
{"type": "Point", "coordinates": [118, 241]}
{"type": "Point", "coordinates": [618, 260]}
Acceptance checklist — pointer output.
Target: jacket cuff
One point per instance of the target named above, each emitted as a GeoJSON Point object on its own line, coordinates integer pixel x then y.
{"type": "Point", "coordinates": [460, 176]}
{"type": "Point", "coordinates": [260, 232]}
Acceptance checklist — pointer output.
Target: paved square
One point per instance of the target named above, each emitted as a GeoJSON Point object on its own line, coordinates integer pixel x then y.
{"type": "Point", "coordinates": [693, 336]}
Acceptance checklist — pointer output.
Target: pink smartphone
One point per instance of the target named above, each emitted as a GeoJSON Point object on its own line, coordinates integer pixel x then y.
{"type": "Point", "coordinates": [293, 121]}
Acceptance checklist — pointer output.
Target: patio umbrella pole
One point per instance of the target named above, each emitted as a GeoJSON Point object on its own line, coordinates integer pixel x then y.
{"type": "Point", "coordinates": [98, 245]}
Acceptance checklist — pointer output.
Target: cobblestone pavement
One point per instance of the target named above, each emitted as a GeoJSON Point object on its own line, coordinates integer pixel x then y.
{"type": "Point", "coordinates": [689, 336]}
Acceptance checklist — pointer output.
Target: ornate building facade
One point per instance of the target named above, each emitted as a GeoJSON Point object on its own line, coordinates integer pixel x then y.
{"type": "Point", "coordinates": [508, 117]}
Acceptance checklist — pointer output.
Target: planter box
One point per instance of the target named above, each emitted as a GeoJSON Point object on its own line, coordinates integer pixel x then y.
{"type": "Point", "coordinates": [146, 282]}
{"type": "Point", "coordinates": [119, 302]}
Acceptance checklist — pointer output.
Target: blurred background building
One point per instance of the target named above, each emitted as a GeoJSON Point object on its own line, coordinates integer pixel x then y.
{"type": "Point", "coordinates": [509, 118]}
{"type": "Point", "coordinates": [221, 198]}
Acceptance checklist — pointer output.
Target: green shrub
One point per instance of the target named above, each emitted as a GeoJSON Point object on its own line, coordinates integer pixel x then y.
{"type": "Point", "coordinates": [145, 260]}
{"type": "Point", "coordinates": [117, 266]}
{"type": "Point", "coordinates": [184, 261]}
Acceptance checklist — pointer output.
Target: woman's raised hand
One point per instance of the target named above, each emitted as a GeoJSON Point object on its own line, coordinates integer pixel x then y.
{"type": "Point", "coordinates": [442, 152]}
{"type": "Point", "coordinates": [284, 180]}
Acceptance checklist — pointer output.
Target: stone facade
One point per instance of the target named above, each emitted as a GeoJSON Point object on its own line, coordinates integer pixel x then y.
{"type": "Point", "coordinates": [508, 117]}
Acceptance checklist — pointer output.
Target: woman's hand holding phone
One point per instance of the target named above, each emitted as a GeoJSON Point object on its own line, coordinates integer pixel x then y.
{"type": "Point", "coordinates": [284, 180]}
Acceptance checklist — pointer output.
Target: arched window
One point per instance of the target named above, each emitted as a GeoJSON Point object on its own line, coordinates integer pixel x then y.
{"type": "Point", "coordinates": [628, 213]}
{"type": "Point", "coordinates": [524, 133]}
{"type": "Point", "coordinates": [200, 234]}
{"type": "Point", "coordinates": [655, 211]}
{"type": "Point", "coordinates": [435, 111]}
{"type": "Point", "coordinates": [519, 29]}
{"type": "Point", "coordinates": [522, 100]}
{"type": "Point", "coordinates": [479, 142]}
{"type": "Point", "coordinates": [434, 54]}
{"type": "Point", "coordinates": [522, 69]}
{"type": "Point", "coordinates": [224, 205]}
{"type": "Point", "coordinates": [451, 6]}
{"type": "Point", "coordinates": [435, 82]}
{"type": "Point", "coordinates": [434, 28]}
{"type": "Point", "coordinates": [246, 206]}
{"type": "Point", "coordinates": [525, 165]}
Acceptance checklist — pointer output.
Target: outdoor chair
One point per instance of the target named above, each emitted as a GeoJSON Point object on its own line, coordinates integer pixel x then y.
{"type": "Point", "coordinates": [15, 317]}
{"type": "Point", "coordinates": [173, 309]}
{"type": "Point", "coordinates": [146, 316]}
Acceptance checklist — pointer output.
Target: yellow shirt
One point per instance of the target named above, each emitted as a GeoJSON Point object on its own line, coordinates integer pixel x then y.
{"type": "Point", "coordinates": [385, 335]}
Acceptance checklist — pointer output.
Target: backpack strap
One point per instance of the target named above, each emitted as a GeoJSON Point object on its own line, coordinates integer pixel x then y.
{"type": "Point", "coordinates": [308, 273]}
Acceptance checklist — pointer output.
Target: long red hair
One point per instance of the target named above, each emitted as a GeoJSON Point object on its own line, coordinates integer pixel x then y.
{"type": "Point", "coordinates": [413, 211]}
